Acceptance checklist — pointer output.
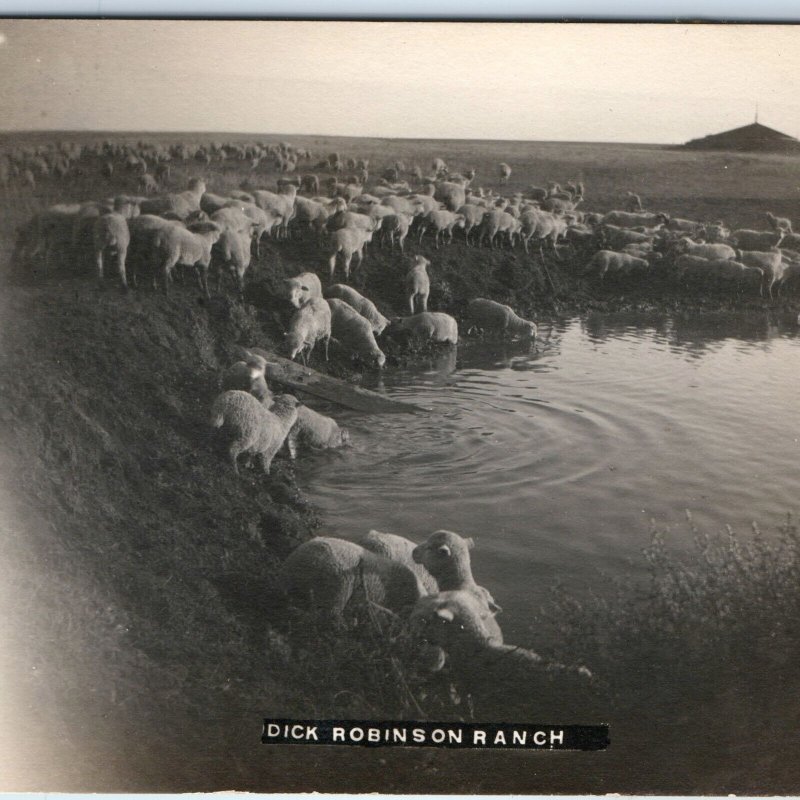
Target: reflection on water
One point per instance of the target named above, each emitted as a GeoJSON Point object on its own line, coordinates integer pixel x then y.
{"type": "Point", "coordinates": [555, 458]}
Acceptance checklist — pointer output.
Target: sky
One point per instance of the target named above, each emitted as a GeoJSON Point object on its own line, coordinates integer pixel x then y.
{"type": "Point", "coordinates": [530, 81]}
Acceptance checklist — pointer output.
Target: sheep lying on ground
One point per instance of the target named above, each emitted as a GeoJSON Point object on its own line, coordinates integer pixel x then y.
{"type": "Point", "coordinates": [446, 556]}
{"type": "Point", "coordinates": [313, 429]}
{"type": "Point", "coordinates": [249, 376]}
{"type": "Point", "coordinates": [398, 548]}
{"type": "Point", "coordinates": [301, 288]}
{"type": "Point", "coordinates": [488, 315]}
{"type": "Point", "coordinates": [433, 326]}
{"type": "Point", "coordinates": [110, 233]}
{"type": "Point", "coordinates": [310, 324]}
{"type": "Point", "coordinates": [247, 427]}
{"type": "Point", "coordinates": [364, 306]}
{"type": "Point", "coordinates": [354, 332]}
{"type": "Point", "coordinates": [418, 284]}
{"type": "Point", "coordinates": [458, 630]}
{"type": "Point", "coordinates": [327, 574]}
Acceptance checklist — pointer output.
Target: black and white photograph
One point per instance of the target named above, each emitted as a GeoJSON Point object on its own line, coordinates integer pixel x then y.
{"type": "Point", "coordinates": [399, 407]}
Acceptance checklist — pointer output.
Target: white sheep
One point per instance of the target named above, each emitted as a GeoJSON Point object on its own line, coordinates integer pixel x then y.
{"type": "Point", "coordinates": [746, 239]}
{"type": "Point", "coordinates": [327, 574]}
{"type": "Point", "coordinates": [418, 284]}
{"type": "Point", "coordinates": [249, 376]}
{"type": "Point", "coordinates": [489, 315]}
{"type": "Point", "coordinates": [398, 548]}
{"type": "Point", "coordinates": [473, 215]}
{"type": "Point", "coordinates": [181, 204]}
{"type": "Point", "coordinates": [395, 227]}
{"type": "Point", "coordinates": [189, 247]}
{"type": "Point", "coordinates": [721, 269]}
{"type": "Point", "coordinates": [712, 251]}
{"type": "Point", "coordinates": [247, 427]}
{"type": "Point", "coordinates": [445, 555]}
{"type": "Point", "coordinates": [497, 221]}
{"type": "Point", "coordinates": [310, 324]}
{"type": "Point", "coordinates": [232, 252]}
{"type": "Point", "coordinates": [349, 242]}
{"type": "Point", "coordinates": [605, 261]}
{"type": "Point", "coordinates": [282, 204]}
{"type": "Point", "coordinates": [505, 172]}
{"type": "Point", "coordinates": [301, 288]}
{"type": "Point", "coordinates": [442, 222]}
{"type": "Point", "coordinates": [363, 305]}
{"type": "Point", "coordinates": [433, 326]}
{"type": "Point", "coordinates": [453, 195]}
{"type": "Point", "coordinates": [354, 332]}
{"type": "Point", "coordinates": [782, 224]}
{"type": "Point", "coordinates": [110, 233]}
{"type": "Point", "coordinates": [315, 430]}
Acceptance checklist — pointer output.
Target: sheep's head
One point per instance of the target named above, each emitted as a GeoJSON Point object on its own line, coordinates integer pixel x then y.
{"type": "Point", "coordinates": [444, 553]}
{"type": "Point", "coordinates": [293, 343]}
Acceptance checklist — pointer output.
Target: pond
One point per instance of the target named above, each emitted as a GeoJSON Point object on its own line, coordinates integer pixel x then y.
{"type": "Point", "coordinates": [556, 459]}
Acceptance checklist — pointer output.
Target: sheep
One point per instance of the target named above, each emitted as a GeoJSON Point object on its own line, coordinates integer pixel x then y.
{"type": "Point", "coordinates": [232, 251]}
{"type": "Point", "coordinates": [110, 232]}
{"type": "Point", "coordinates": [473, 216]}
{"type": "Point", "coordinates": [249, 376]}
{"type": "Point", "coordinates": [693, 267]}
{"type": "Point", "coordinates": [349, 242]}
{"type": "Point", "coordinates": [350, 219]}
{"type": "Point", "coordinates": [615, 238]}
{"type": "Point", "coordinates": [148, 184]}
{"type": "Point", "coordinates": [303, 287]}
{"type": "Point", "coordinates": [684, 225]}
{"type": "Point", "coordinates": [443, 222]}
{"type": "Point", "coordinates": [746, 239]}
{"type": "Point", "coordinates": [191, 247]}
{"type": "Point", "coordinates": [460, 632]}
{"type": "Point", "coordinates": [311, 214]}
{"type": "Point", "coordinates": [327, 574]}
{"type": "Point", "coordinates": [400, 205]}
{"type": "Point", "coordinates": [354, 332]}
{"type": "Point", "coordinates": [489, 315]}
{"type": "Point", "coordinates": [634, 202]}
{"type": "Point", "coordinates": [315, 430]}
{"type": "Point", "coordinates": [605, 261]}
{"type": "Point", "coordinates": [542, 226]}
{"type": "Point", "coordinates": [505, 172]}
{"type": "Point", "coordinates": [361, 304]}
{"type": "Point", "coordinates": [779, 224]}
{"type": "Point", "coordinates": [496, 221]}
{"type": "Point", "coordinates": [309, 183]}
{"type": "Point", "coordinates": [445, 555]}
{"type": "Point", "coordinates": [396, 227]}
{"type": "Point", "coordinates": [433, 326]}
{"type": "Point", "coordinates": [711, 251]}
{"type": "Point", "coordinates": [281, 204]}
{"type": "Point", "coordinates": [247, 427]}
{"type": "Point", "coordinates": [182, 204]}
{"type": "Point", "coordinates": [418, 284]}
{"type": "Point", "coordinates": [770, 263]}
{"type": "Point", "coordinates": [453, 195]}
{"type": "Point", "coordinates": [310, 324]}
{"type": "Point", "coordinates": [398, 548]}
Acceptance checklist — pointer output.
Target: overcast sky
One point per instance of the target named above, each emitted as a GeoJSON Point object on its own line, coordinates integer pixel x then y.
{"type": "Point", "coordinates": [601, 82]}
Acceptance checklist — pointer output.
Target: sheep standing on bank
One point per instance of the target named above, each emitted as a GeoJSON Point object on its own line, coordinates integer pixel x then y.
{"type": "Point", "coordinates": [301, 288]}
{"type": "Point", "coordinates": [312, 429]}
{"type": "Point", "coordinates": [249, 376]}
{"type": "Point", "coordinates": [349, 242]}
{"type": "Point", "coordinates": [432, 326]}
{"type": "Point", "coordinates": [232, 253]}
{"type": "Point", "coordinates": [445, 555]}
{"type": "Point", "coordinates": [363, 305]}
{"type": "Point", "coordinates": [110, 234]}
{"type": "Point", "coordinates": [395, 227]}
{"type": "Point", "coordinates": [354, 333]}
{"type": "Point", "coordinates": [505, 172]}
{"type": "Point", "coordinates": [189, 247]}
{"type": "Point", "coordinates": [605, 261]}
{"type": "Point", "coordinates": [310, 324]}
{"type": "Point", "coordinates": [488, 315]}
{"type": "Point", "coordinates": [248, 427]}
{"type": "Point", "coordinates": [712, 251]}
{"type": "Point", "coordinates": [327, 574]}
{"type": "Point", "coordinates": [442, 222]}
{"type": "Point", "coordinates": [418, 284]}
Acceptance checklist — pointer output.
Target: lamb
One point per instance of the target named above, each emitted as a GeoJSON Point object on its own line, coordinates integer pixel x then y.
{"type": "Point", "coordinates": [249, 376]}
{"type": "Point", "coordinates": [443, 222]}
{"type": "Point", "coordinates": [349, 242]}
{"type": "Point", "coordinates": [328, 574]}
{"type": "Point", "coordinates": [301, 288]}
{"type": "Point", "coordinates": [315, 430]}
{"type": "Point", "coordinates": [446, 556]}
{"type": "Point", "coordinates": [605, 261]}
{"type": "Point", "coordinates": [110, 232]}
{"type": "Point", "coordinates": [190, 247]}
{"type": "Point", "coordinates": [505, 172]}
{"type": "Point", "coordinates": [418, 284]}
{"type": "Point", "coordinates": [710, 251]}
{"type": "Point", "coordinates": [429, 325]}
{"type": "Point", "coordinates": [779, 224]}
{"type": "Point", "coordinates": [248, 427]}
{"type": "Point", "coordinates": [361, 304]}
{"type": "Point", "coordinates": [310, 324]}
{"type": "Point", "coordinates": [489, 315]}
{"type": "Point", "coordinates": [354, 332]}
{"type": "Point", "coordinates": [398, 548]}
{"type": "Point", "coordinates": [460, 632]}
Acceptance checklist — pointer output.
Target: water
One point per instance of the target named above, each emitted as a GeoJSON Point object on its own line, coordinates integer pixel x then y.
{"type": "Point", "coordinates": [556, 460]}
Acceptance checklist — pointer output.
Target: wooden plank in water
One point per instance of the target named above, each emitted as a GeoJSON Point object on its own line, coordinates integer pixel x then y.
{"type": "Point", "coordinates": [296, 376]}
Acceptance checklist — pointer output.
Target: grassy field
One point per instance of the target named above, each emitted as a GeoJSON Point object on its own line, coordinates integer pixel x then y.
{"type": "Point", "coordinates": [147, 636]}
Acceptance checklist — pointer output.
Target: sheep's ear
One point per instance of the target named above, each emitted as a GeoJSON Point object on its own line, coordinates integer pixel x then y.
{"type": "Point", "coordinates": [443, 550]}
{"type": "Point", "coordinates": [446, 614]}
{"type": "Point", "coordinates": [494, 608]}
{"type": "Point", "coordinates": [470, 542]}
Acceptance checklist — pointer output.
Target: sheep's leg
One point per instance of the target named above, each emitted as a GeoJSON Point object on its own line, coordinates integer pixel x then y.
{"type": "Point", "coordinates": [166, 272]}
{"type": "Point", "coordinates": [100, 264]}
{"type": "Point", "coordinates": [332, 264]}
{"type": "Point", "coordinates": [265, 459]}
{"type": "Point", "coordinates": [347, 259]}
{"type": "Point", "coordinates": [233, 454]}
{"type": "Point", "coordinates": [291, 444]}
{"type": "Point", "coordinates": [121, 256]}
{"type": "Point", "coordinates": [424, 301]}
{"type": "Point", "coordinates": [411, 303]}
